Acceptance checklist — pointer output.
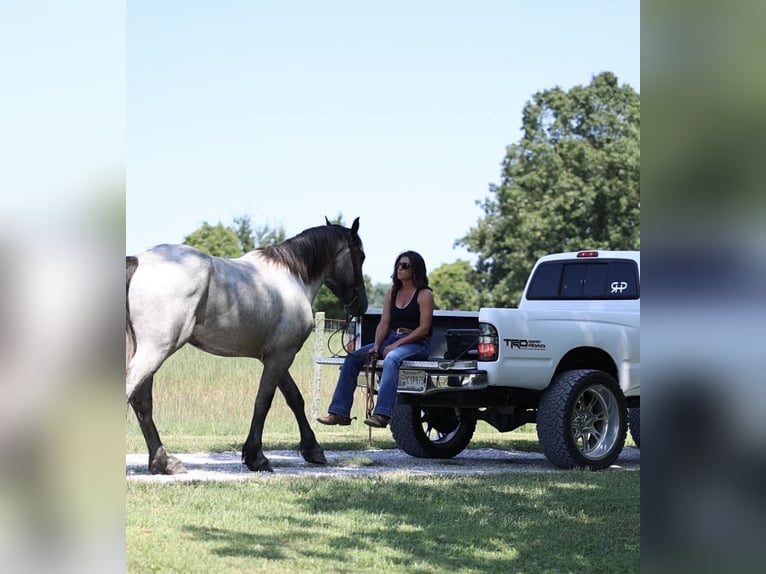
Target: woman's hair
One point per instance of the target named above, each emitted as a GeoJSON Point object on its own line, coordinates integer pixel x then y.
{"type": "Point", "coordinates": [419, 275]}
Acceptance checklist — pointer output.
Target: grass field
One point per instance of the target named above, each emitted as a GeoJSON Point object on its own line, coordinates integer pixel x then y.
{"type": "Point", "coordinates": [549, 522]}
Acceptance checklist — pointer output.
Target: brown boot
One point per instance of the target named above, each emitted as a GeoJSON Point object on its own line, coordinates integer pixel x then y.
{"type": "Point", "coordinates": [377, 421]}
{"type": "Point", "coordinates": [333, 419]}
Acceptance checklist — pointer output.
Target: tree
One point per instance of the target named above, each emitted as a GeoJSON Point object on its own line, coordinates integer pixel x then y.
{"type": "Point", "coordinates": [261, 236]}
{"type": "Point", "coordinates": [235, 240]}
{"type": "Point", "coordinates": [572, 182]}
{"type": "Point", "coordinates": [265, 235]}
{"type": "Point", "coordinates": [455, 286]}
{"type": "Point", "coordinates": [377, 295]}
{"type": "Point", "coordinates": [244, 232]}
{"type": "Point", "coordinates": [216, 240]}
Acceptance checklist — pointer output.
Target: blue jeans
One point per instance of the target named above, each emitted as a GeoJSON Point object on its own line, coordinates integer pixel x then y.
{"type": "Point", "coordinates": [343, 397]}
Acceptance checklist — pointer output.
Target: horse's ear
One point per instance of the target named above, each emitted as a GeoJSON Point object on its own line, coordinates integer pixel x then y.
{"type": "Point", "coordinates": [327, 220]}
{"type": "Point", "coordinates": [355, 226]}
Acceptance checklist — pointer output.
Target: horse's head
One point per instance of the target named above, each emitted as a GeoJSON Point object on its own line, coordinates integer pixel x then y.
{"type": "Point", "coordinates": [346, 280]}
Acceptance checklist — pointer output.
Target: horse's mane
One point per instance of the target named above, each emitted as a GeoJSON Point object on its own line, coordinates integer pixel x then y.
{"type": "Point", "coordinates": [309, 253]}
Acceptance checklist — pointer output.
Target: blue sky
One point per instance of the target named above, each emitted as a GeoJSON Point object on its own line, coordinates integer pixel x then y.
{"type": "Point", "coordinates": [396, 112]}
{"type": "Point", "coordinates": [62, 119]}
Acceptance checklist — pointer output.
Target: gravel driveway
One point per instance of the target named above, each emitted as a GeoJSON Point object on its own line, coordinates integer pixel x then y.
{"type": "Point", "coordinates": [371, 462]}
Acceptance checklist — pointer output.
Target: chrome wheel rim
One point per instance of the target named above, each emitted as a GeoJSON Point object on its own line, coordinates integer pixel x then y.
{"type": "Point", "coordinates": [595, 422]}
{"type": "Point", "coordinates": [433, 434]}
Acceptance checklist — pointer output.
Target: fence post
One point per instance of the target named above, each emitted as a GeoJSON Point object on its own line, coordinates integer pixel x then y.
{"type": "Point", "coordinates": [317, 373]}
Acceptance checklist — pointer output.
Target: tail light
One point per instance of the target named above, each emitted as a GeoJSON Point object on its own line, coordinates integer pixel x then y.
{"type": "Point", "coordinates": [488, 342]}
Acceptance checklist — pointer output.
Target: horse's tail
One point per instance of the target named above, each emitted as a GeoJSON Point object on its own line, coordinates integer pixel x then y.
{"type": "Point", "coordinates": [131, 264]}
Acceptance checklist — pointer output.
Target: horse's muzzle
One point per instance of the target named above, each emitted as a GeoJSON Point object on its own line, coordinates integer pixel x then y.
{"type": "Point", "coordinates": [356, 306]}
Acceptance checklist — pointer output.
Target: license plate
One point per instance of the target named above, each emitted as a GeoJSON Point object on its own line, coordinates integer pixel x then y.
{"type": "Point", "coordinates": [412, 380]}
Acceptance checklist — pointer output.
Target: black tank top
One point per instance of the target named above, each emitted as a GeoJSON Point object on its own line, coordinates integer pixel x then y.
{"type": "Point", "coordinates": [409, 317]}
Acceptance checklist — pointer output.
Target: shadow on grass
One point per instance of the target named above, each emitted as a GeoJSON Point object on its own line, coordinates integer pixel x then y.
{"type": "Point", "coordinates": [236, 544]}
{"type": "Point", "coordinates": [574, 521]}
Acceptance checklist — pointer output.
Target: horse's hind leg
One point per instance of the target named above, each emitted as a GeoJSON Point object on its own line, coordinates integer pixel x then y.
{"type": "Point", "coordinates": [160, 462]}
{"type": "Point", "coordinates": [309, 447]}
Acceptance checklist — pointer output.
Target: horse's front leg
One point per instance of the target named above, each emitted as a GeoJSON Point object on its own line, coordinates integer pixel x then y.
{"type": "Point", "coordinates": [252, 451]}
{"type": "Point", "coordinates": [309, 447]}
{"type": "Point", "coordinates": [160, 462]}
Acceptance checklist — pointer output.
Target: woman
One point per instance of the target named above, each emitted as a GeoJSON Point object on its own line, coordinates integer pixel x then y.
{"type": "Point", "coordinates": [404, 332]}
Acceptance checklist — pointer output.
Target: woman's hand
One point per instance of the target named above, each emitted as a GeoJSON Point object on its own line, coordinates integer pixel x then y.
{"type": "Point", "coordinates": [390, 348]}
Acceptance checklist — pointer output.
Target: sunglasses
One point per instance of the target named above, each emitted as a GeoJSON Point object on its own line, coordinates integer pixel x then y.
{"type": "Point", "coordinates": [404, 265]}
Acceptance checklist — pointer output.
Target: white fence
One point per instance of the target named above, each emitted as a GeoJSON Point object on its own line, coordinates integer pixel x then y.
{"type": "Point", "coordinates": [331, 325]}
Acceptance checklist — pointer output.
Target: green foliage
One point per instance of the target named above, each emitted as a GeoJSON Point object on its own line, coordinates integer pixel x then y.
{"type": "Point", "coordinates": [235, 240]}
{"type": "Point", "coordinates": [572, 182]}
{"type": "Point", "coordinates": [377, 294]}
{"type": "Point", "coordinates": [244, 231]}
{"type": "Point", "coordinates": [265, 235]}
{"type": "Point", "coordinates": [455, 286]}
{"type": "Point", "coordinates": [216, 240]}
{"type": "Point", "coordinates": [326, 301]}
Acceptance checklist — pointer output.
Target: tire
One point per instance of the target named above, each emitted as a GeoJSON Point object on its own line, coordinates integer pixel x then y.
{"type": "Point", "coordinates": [432, 432]}
{"type": "Point", "coordinates": [582, 420]}
{"type": "Point", "coordinates": [634, 424]}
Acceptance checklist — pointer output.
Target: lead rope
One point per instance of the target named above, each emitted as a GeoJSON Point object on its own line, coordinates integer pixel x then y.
{"type": "Point", "coordinates": [369, 379]}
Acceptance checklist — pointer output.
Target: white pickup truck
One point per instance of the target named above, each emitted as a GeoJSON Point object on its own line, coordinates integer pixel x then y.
{"type": "Point", "coordinates": [567, 359]}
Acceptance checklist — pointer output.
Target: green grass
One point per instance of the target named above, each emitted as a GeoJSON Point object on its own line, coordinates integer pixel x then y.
{"type": "Point", "coordinates": [562, 522]}
{"type": "Point", "coordinates": [547, 522]}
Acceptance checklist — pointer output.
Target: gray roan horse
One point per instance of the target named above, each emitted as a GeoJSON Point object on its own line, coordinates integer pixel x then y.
{"type": "Point", "coordinates": [258, 305]}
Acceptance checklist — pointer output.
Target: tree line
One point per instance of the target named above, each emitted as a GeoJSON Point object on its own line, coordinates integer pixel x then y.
{"type": "Point", "coordinates": [571, 182]}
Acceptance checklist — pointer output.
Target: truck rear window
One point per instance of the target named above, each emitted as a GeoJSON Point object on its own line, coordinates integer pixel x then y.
{"type": "Point", "coordinates": [604, 279]}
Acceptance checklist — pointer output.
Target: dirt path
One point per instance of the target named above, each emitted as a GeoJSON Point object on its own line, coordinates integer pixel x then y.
{"type": "Point", "coordinates": [372, 462]}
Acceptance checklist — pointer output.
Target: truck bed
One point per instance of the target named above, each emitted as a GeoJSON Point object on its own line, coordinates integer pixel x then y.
{"type": "Point", "coordinates": [441, 322]}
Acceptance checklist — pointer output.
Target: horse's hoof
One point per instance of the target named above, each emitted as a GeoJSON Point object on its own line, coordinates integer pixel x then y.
{"type": "Point", "coordinates": [263, 467]}
{"type": "Point", "coordinates": [314, 455]}
{"type": "Point", "coordinates": [165, 463]}
{"type": "Point", "coordinates": [260, 464]}
{"type": "Point", "coordinates": [175, 466]}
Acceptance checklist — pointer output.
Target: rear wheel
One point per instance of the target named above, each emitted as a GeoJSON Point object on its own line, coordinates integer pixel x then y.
{"type": "Point", "coordinates": [432, 432]}
{"type": "Point", "coordinates": [582, 420]}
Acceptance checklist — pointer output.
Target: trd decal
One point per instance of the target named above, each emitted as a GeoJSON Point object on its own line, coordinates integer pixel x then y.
{"type": "Point", "coordinates": [525, 344]}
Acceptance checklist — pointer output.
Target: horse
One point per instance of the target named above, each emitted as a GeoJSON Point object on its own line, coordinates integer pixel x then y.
{"type": "Point", "coordinates": [257, 305]}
